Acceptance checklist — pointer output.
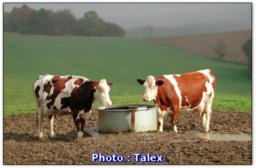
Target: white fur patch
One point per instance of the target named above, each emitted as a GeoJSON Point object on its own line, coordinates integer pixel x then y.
{"type": "Point", "coordinates": [208, 85]}
{"type": "Point", "coordinates": [176, 87]}
{"type": "Point", "coordinates": [150, 88]}
{"type": "Point", "coordinates": [206, 98]}
{"type": "Point", "coordinates": [160, 118]}
{"type": "Point", "coordinates": [80, 134]}
{"type": "Point", "coordinates": [187, 101]}
{"type": "Point", "coordinates": [101, 94]}
{"type": "Point", "coordinates": [150, 81]}
{"type": "Point", "coordinates": [206, 72]}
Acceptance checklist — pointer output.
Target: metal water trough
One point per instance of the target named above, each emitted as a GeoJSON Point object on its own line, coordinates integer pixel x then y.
{"type": "Point", "coordinates": [131, 117]}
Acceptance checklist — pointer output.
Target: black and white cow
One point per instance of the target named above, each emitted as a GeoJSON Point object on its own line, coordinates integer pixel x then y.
{"type": "Point", "coordinates": [74, 94]}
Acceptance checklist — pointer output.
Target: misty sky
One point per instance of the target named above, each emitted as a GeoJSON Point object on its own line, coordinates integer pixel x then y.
{"type": "Point", "coordinates": [129, 15]}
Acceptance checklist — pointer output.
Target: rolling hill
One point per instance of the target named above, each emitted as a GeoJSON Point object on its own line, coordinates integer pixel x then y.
{"type": "Point", "coordinates": [204, 44]}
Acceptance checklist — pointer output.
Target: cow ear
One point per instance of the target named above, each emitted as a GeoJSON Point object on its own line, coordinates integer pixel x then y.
{"type": "Point", "coordinates": [95, 84]}
{"type": "Point", "coordinates": [159, 82]}
{"type": "Point", "coordinates": [141, 81]}
{"type": "Point", "coordinates": [110, 84]}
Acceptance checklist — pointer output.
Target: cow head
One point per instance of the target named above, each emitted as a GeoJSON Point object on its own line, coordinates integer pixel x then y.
{"type": "Point", "coordinates": [151, 86]}
{"type": "Point", "coordinates": [101, 94]}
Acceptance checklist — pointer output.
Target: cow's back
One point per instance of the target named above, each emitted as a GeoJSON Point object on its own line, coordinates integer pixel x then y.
{"type": "Point", "coordinates": [191, 86]}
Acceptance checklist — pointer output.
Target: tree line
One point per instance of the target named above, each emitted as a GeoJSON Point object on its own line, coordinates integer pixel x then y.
{"type": "Point", "coordinates": [247, 49]}
{"type": "Point", "coordinates": [62, 22]}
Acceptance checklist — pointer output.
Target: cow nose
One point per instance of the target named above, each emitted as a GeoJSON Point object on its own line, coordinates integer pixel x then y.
{"type": "Point", "coordinates": [145, 98]}
{"type": "Point", "coordinates": [109, 104]}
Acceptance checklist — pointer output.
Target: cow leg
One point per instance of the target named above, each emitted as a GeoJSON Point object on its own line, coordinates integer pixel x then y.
{"type": "Point", "coordinates": [80, 132]}
{"type": "Point", "coordinates": [82, 122]}
{"type": "Point", "coordinates": [160, 120]}
{"type": "Point", "coordinates": [39, 122]}
{"type": "Point", "coordinates": [175, 117]}
{"type": "Point", "coordinates": [51, 118]}
{"type": "Point", "coordinates": [208, 112]}
{"type": "Point", "coordinates": [204, 120]}
{"type": "Point", "coordinates": [79, 122]}
{"type": "Point", "coordinates": [82, 117]}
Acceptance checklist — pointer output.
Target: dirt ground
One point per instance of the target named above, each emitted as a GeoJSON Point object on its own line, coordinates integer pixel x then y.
{"type": "Point", "coordinates": [21, 146]}
{"type": "Point", "coordinates": [205, 45]}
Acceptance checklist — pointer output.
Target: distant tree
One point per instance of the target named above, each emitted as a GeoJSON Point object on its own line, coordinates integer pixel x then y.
{"type": "Point", "coordinates": [113, 30]}
{"type": "Point", "coordinates": [79, 27]}
{"type": "Point", "coordinates": [247, 49]}
{"type": "Point", "coordinates": [64, 22]}
{"type": "Point", "coordinates": [7, 21]}
{"type": "Point", "coordinates": [92, 24]}
{"type": "Point", "coordinates": [41, 22]}
{"type": "Point", "coordinates": [19, 17]}
{"type": "Point", "coordinates": [220, 50]}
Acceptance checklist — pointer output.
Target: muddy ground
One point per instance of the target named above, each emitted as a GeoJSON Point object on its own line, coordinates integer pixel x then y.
{"type": "Point", "coordinates": [21, 146]}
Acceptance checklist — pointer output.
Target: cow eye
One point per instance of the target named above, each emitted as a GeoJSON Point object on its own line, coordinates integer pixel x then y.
{"type": "Point", "coordinates": [101, 90]}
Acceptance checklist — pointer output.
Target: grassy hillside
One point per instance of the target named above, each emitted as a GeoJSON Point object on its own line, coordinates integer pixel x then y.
{"type": "Point", "coordinates": [204, 44]}
{"type": "Point", "coordinates": [119, 60]}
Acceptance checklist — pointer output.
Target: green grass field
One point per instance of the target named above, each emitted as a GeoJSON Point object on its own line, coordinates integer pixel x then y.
{"type": "Point", "coordinates": [119, 60]}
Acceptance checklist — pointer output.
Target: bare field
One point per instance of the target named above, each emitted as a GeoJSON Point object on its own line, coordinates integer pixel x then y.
{"type": "Point", "coordinates": [21, 146]}
{"type": "Point", "coordinates": [204, 44]}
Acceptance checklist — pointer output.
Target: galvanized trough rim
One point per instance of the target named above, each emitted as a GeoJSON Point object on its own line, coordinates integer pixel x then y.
{"type": "Point", "coordinates": [127, 107]}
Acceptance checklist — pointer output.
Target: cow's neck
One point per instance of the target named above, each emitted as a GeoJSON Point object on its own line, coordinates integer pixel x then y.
{"type": "Point", "coordinates": [162, 103]}
{"type": "Point", "coordinates": [87, 94]}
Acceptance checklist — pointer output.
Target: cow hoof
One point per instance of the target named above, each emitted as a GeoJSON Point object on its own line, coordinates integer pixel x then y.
{"type": "Point", "coordinates": [40, 135]}
{"type": "Point", "coordinates": [206, 131]}
{"type": "Point", "coordinates": [40, 138]}
{"type": "Point", "coordinates": [161, 131]}
{"type": "Point", "coordinates": [52, 136]}
{"type": "Point", "coordinates": [80, 134]}
{"type": "Point", "coordinates": [175, 128]}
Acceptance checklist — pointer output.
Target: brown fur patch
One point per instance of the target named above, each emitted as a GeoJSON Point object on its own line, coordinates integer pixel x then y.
{"type": "Point", "coordinates": [165, 94]}
{"type": "Point", "coordinates": [59, 85]}
{"type": "Point", "coordinates": [47, 87]}
{"type": "Point", "coordinates": [78, 81]}
{"type": "Point", "coordinates": [37, 91]}
{"type": "Point", "coordinates": [192, 86]}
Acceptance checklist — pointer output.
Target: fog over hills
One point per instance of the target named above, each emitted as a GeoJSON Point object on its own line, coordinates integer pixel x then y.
{"type": "Point", "coordinates": [161, 19]}
{"type": "Point", "coordinates": [186, 29]}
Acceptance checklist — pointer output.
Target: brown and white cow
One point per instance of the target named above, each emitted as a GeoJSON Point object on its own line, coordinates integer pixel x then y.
{"type": "Point", "coordinates": [74, 94]}
{"type": "Point", "coordinates": [192, 91]}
